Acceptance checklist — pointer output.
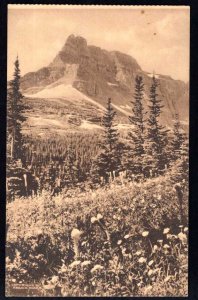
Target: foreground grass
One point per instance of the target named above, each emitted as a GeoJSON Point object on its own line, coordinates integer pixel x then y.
{"type": "Point", "coordinates": [124, 240]}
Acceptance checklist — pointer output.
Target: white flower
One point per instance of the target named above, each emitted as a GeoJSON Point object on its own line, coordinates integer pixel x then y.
{"type": "Point", "coordinates": [150, 272]}
{"type": "Point", "coordinates": [160, 241]}
{"type": "Point", "coordinates": [93, 220]}
{"type": "Point", "coordinates": [166, 246]}
{"type": "Point", "coordinates": [142, 260]}
{"type": "Point", "coordinates": [39, 232]}
{"type": "Point", "coordinates": [185, 229]}
{"type": "Point", "coordinates": [169, 236]}
{"type": "Point", "coordinates": [119, 242]}
{"type": "Point", "coordinates": [96, 267]}
{"type": "Point", "coordinates": [99, 216]}
{"type": "Point", "coordinates": [150, 262]}
{"type": "Point", "coordinates": [54, 279]}
{"type": "Point", "coordinates": [75, 234]}
{"type": "Point", "coordinates": [85, 263]}
{"type": "Point", "coordinates": [155, 248]}
{"type": "Point", "coordinates": [138, 253]}
{"type": "Point", "coordinates": [167, 278]}
{"type": "Point", "coordinates": [182, 236]}
{"type": "Point", "coordinates": [166, 230]}
{"type": "Point", "coordinates": [75, 263]}
{"type": "Point", "coordinates": [145, 233]}
{"type": "Point", "coordinates": [126, 236]}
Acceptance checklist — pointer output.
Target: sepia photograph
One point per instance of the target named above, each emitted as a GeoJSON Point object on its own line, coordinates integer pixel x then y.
{"type": "Point", "coordinates": [97, 156]}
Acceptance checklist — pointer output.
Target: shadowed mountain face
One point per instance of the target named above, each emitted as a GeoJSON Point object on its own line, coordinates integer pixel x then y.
{"type": "Point", "coordinates": [98, 74]}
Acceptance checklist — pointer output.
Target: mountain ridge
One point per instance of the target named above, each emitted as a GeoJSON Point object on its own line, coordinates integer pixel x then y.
{"type": "Point", "coordinates": [100, 74]}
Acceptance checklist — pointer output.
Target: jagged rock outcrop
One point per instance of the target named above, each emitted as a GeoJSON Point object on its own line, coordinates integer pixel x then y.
{"type": "Point", "coordinates": [100, 74]}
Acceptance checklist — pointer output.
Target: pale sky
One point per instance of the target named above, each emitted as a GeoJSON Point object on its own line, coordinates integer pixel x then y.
{"type": "Point", "coordinates": [157, 38]}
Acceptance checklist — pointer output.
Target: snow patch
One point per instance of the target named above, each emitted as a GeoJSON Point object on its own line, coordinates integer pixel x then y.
{"type": "Point", "coordinates": [121, 110]}
{"type": "Point", "coordinates": [112, 84]}
{"type": "Point", "coordinates": [88, 125]}
{"type": "Point", "coordinates": [63, 91]}
{"type": "Point", "coordinates": [151, 75]}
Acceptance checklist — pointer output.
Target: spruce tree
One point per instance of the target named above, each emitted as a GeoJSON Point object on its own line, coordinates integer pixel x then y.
{"type": "Point", "coordinates": [178, 139]}
{"type": "Point", "coordinates": [109, 158]}
{"type": "Point", "coordinates": [15, 151]}
{"type": "Point", "coordinates": [155, 158]}
{"type": "Point", "coordinates": [15, 117]}
{"type": "Point", "coordinates": [135, 156]}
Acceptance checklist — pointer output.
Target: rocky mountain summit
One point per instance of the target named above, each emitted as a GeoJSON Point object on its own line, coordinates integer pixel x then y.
{"type": "Point", "coordinates": [96, 74]}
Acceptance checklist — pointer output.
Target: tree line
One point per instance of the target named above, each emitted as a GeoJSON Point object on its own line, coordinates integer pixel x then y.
{"type": "Point", "coordinates": [150, 149]}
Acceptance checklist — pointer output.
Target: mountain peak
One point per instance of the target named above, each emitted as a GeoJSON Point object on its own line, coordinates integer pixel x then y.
{"type": "Point", "coordinates": [76, 40]}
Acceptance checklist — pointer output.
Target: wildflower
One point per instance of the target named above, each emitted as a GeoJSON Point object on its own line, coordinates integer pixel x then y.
{"type": "Point", "coordinates": [119, 242]}
{"type": "Point", "coordinates": [160, 241]}
{"type": "Point", "coordinates": [150, 272]}
{"type": "Point", "coordinates": [13, 280]}
{"type": "Point", "coordinates": [130, 277]}
{"type": "Point", "coordinates": [93, 220]}
{"type": "Point", "coordinates": [7, 260]}
{"type": "Point", "coordinates": [138, 253]}
{"type": "Point", "coordinates": [150, 262]}
{"type": "Point", "coordinates": [99, 216]}
{"type": "Point", "coordinates": [145, 233]}
{"type": "Point", "coordinates": [166, 230]}
{"type": "Point", "coordinates": [155, 248]}
{"type": "Point", "coordinates": [75, 234]}
{"type": "Point", "coordinates": [54, 279]}
{"type": "Point", "coordinates": [85, 263]}
{"type": "Point", "coordinates": [39, 232]}
{"type": "Point", "coordinates": [181, 226]}
{"type": "Point", "coordinates": [75, 263]}
{"type": "Point", "coordinates": [185, 229]}
{"type": "Point", "coordinates": [182, 236]}
{"type": "Point", "coordinates": [126, 236]}
{"type": "Point", "coordinates": [166, 246]}
{"type": "Point", "coordinates": [169, 236]}
{"type": "Point", "coordinates": [96, 267]}
{"type": "Point", "coordinates": [167, 278]}
{"type": "Point", "coordinates": [142, 260]}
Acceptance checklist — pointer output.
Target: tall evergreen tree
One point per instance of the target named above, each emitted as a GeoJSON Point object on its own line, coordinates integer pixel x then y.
{"type": "Point", "coordinates": [135, 156]}
{"type": "Point", "coordinates": [178, 139]}
{"type": "Point", "coordinates": [15, 117]}
{"type": "Point", "coordinates": [156, 158]}
{"type": "Point", "coordinates": [109, 158]}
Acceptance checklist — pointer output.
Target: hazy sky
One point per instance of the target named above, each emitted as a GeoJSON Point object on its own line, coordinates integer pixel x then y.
{"type": "Point", "coordinates": [157, 38]}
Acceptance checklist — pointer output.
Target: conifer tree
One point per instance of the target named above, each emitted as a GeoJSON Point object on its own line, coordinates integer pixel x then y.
{"type": "Point", "coordinates": [135, 156]}
{"type": "Point", "coordinates": [15, 117]}
{"type": "Point", "coordinates": [155, 158]}
{"type": "Point", "coordinates": [109, 158]}
{"type": "Point", "coordinates": [178, 139]}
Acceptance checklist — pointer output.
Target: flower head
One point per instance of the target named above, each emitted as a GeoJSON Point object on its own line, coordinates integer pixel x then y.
{"type": "Point", "coordinates": [93, 220]}
{"type": "Point", "coordinates": [142, 260]}
{"type": "Point", "coordinates": [119, 242]}
{"type": "Point", "coordinates": [145, 233]}
{"type": "Point", "coordinates": [75, 234]}
{"type": "Point", "coordinates": [166, 230]}
{"type": "Point", "coordinates": [85, 263]}
{"type": "Point", "coordinates": [96, 267]}
{"type": "Point", "coordinates": [127, 236]}
{"type": "Point", "coordinates": [99, 216]}
{"type": "Point", "coordinates": [75, 263]}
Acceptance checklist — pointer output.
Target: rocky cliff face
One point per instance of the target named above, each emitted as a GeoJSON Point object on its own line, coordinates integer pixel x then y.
{"type": "Point", "coordinates": [100, 74]}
